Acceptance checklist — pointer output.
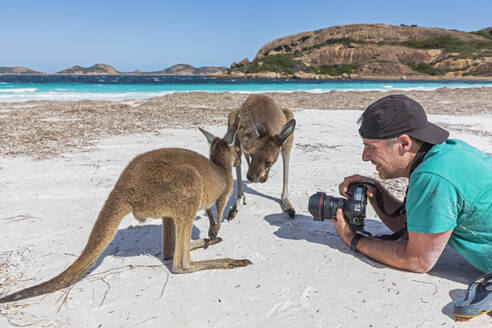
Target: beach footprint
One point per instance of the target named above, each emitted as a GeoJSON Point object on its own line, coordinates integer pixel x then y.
{"type": "Point", "coordinates": [292, 303]}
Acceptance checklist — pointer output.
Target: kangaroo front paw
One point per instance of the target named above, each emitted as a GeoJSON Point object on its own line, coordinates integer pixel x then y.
{"type": "Point", "coordinates": [232, 213]}
{"type": "Point", "coordinates": [209, 242]}
{"type": "Point", "coordinates": [288, 208]}
{"type": "Point", "coordinates": [291, 212]}
{"type": "Point", "coordinates": [213, 232]}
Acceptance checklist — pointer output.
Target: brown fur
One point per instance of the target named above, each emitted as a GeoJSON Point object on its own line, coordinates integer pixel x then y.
{"type": "Point", "coordinates": [170, 183]}
{"type": "Point", "coordinates": [264, 130]}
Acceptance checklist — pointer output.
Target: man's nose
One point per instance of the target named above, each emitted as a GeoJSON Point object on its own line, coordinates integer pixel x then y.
{"type": "Point", "coordinates": [365, 156]}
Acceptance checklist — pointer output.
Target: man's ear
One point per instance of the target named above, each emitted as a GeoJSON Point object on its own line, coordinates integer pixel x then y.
{"type": "Point", "coordinates": [405, 142]}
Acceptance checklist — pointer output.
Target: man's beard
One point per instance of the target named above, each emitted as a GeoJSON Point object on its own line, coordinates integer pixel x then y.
{"type": "Point", "coordinates": [384, 173]}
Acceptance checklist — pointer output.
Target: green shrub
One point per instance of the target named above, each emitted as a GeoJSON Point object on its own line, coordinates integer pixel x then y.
{"type": "Point", "coordinates": [450, 44]}
{"type": "Point", "coordinates": [482, 71]}
{"type": "Point", "coordinates": [426, 69]}
{"type": "Point", "coordinates": [484, 33]}
{"type": "Point", "coordinates": [334, 70]}
{"type": "Point", "coordinates": [275, 63]}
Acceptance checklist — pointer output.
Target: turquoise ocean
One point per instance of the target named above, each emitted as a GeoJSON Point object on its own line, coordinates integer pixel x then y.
{"type": "Point", "coordinates": [53, 87]}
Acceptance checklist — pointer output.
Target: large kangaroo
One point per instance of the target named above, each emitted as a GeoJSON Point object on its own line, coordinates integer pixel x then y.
{"type": "Point", "coordinates": [169, 183]}
{"type": "Point", "coordinates": [264, 130]}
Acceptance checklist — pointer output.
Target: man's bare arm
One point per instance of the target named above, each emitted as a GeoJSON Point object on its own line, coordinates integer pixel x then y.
{"type": "Point", "coordinates": [418, 254]}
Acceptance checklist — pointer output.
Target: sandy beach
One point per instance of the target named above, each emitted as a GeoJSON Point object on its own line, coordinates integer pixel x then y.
{"type": "Point", "coordinates": [59, 161]}
{"type": "Point", "coordinates": [42, 129]}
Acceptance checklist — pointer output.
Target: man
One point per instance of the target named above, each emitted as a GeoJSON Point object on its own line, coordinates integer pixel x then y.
{"type": "Point", "coordinates": [449, 197]}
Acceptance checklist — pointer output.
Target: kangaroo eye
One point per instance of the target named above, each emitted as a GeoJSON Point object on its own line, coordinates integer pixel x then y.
{"type": "Point", "coordinates": [268, 163]}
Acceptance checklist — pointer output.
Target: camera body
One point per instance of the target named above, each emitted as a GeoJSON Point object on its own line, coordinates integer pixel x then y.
{"type": "Point", "coordinates": [323, 206]}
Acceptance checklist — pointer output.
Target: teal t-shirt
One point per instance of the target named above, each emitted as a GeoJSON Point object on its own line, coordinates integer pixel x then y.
{"type": "Point", "coordinates": [452, 188]}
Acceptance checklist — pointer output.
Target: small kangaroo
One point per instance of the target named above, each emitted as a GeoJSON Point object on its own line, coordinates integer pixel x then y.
{"type": "Point", "coordinates": [264, 130]}
{"type": "Point", "coordinates": [169, 183]}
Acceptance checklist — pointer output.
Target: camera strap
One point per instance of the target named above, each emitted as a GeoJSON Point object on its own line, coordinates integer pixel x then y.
{"type": "Point", "coordinates": [400, 211]}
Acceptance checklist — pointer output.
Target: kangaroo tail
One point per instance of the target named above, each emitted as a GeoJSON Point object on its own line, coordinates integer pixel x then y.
{"type": "Point", "coordinates": [102, 233]}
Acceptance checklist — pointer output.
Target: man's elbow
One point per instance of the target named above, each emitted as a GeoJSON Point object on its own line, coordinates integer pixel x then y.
{"type": "Point", "coordinates": [420, 266]}
{"type": "Point", "coordinates": [421, 269]}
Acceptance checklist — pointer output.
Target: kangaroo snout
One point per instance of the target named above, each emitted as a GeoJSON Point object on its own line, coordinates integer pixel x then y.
{"type": "Point", "coordinates": [251, 177]}
{"type": "Point", "coordinates": [258, 176]}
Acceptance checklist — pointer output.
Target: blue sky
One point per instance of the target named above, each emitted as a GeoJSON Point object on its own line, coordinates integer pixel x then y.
{"type": "Point", "coordinates": [152, 35]}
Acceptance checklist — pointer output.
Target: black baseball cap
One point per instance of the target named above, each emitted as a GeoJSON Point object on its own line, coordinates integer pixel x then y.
{"type": "Point", "coordinates": [392, 116]}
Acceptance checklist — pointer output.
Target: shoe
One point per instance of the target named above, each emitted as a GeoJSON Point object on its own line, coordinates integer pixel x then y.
{"type": "Point", "coordinates": [478, 299]}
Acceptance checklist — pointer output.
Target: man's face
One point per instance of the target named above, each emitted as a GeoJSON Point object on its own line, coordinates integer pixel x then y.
{"type": "Point", "coordinates": [385, 156]}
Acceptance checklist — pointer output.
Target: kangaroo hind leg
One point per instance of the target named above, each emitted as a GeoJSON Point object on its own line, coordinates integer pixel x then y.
{"type": "Point", "coordinates": [182, 259]}
{"type": "Point", "coordinates": [168, 237]}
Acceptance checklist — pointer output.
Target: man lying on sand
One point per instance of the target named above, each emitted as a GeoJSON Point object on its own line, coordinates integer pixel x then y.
{"type": "Point", "coordinates": [449, 196]}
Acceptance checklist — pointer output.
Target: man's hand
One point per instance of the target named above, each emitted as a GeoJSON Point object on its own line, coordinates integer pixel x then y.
{"type": "Point", "coordinates": [343, 228]}
{"type": "Point", "coordinates": [343, 187]}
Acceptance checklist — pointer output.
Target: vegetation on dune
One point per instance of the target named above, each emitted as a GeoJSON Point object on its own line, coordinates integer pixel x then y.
{"type": "Point", "coordinates": [450, 44]}
{"type": "Point", "coordinates": [274, 63]}
{"type": "Point", "coordinates": [283, 63]}
{"type": "Point", "coordinates": [334, 70]}
{"type": "Point", "coordinates": [484, 33]}
{"type": "Point", "coordinates": [426, 69]}
{"type": "Point", "coordinates": [480, 72]}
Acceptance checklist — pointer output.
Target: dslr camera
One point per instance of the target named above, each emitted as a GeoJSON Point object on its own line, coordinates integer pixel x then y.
{"type": "Point", "coordinates": [323, 206]}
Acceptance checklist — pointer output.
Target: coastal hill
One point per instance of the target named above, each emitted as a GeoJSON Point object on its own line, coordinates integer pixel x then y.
{"type": "Point", "coordinates": [97, 69]}
{"type": "Point", "coordinates": [372, 51]}
{"type": "Point", "coordinates": [184, 69]}
{"type": "Point", "coordinates": [102, 69]}
{"type": "Point", "coordinates": [19, 70]}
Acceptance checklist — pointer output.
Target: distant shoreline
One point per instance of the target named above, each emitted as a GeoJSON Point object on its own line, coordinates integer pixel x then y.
{"type": "Point", "coordinates": [124, 87]}
{"type": "Point", "coordinates": [256, 77]}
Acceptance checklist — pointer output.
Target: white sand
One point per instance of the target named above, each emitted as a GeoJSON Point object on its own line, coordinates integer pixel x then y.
{"type": "Point", "coordinates": [302, 275]}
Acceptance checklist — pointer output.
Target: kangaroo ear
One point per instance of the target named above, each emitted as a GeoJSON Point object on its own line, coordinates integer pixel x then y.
{"type": "Point", "coordinates": [287, 130]}
{"type": "Point", "coordinates": [230, 135]}
{"type": "Point", "coordinates": [259, 128]}
{"type": "Point", "coordinates": [210, 137]}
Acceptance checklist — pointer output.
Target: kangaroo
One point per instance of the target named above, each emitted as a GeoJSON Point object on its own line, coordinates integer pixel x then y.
{"type": "Point", "coordinates": [168, 183]}
{"type": "Point", "coordinates": [264, 130]}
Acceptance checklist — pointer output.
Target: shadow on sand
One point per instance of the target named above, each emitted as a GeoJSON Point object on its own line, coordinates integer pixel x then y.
{"type": "Point", "coordinates": [449, 266]}
{"type": "Point", "coordinates": [305, 228]}
{"type": "Point", "coordinates": [247, 190]}
{"type": "Point", "coordinates": [139, 240]}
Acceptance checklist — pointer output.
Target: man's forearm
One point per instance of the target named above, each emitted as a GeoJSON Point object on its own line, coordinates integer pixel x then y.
{"type": "Point", "coordinates": [392, 253]}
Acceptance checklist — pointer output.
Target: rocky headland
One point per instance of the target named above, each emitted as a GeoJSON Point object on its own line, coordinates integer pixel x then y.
{"type": "Point", "coordinates": [365, 51]}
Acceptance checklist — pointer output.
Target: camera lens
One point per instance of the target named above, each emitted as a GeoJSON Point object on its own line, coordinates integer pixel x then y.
{"type": "Point", "coordinates": [322, 207]}
{"type": "Point", "coordinates": [315, 205]}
